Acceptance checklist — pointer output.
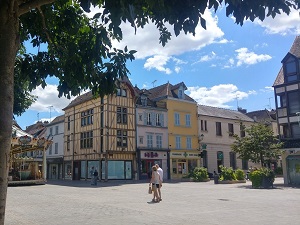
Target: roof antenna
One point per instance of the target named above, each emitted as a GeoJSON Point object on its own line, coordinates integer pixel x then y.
{"type": "Point", "coordinates": [153, 83]}
{"type": "Point", "coordinates": [237, 101]}
{"type": "Point", "coordinates": [270, 103]}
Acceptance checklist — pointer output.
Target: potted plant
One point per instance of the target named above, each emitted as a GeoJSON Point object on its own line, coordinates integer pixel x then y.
{"type": "Point", "coordinates": [262, 178]}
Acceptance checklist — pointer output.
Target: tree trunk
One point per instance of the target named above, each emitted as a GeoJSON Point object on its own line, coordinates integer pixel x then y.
{"type": "Point", "coordinates": [9, 43]}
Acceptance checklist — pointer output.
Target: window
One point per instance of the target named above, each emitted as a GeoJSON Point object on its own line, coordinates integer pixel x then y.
{"type": "Point", "coordinates": [294, 103]}
{"type": "Point", "coordinates": [281, 100]}
{"type": "Point", "coordinates": [121, 115]}
{"type": "Point", "coordinates": [180, 94]}
{"type": "Point", "coordinates": [178, 142]}
{"type": "Point", "coordinates": [69, 122]}
{"type": "Point", "coordinates": [87, 117]}
{"type": "Point", "coordinates": [149, 140]}
{"type": "Point", "coordinates": [122, 92]}
{"type": "Point", "coordinates": [149, 119]}
{"type": "Point", "coordinates": [177, 119]}
{"type": "Point", "coordinates": [295, 130]}
{"type": "Point", "coordinates": [159, 141]}
{"type": "Point", "coordinates": [188, 142]}
{"type": "Point", "coordinates": [242, 130]}
{"type": "Point", "coordinates": [141, 140]}
{"type": "Point", "coordinates": [203, 125]}
{"type": "Point", "coordinates": [220, 160]}
{"type": "Point", "coordinates": [68, 143]}
{"type": "Point", "coordinates": [56, 148]}
{"type": "Point", "coordinates": [56, 129]}
{"type": "Point", "coordinates": [144, 100]}
{"type": "Point", "coordinates": [230, 129]}
{"type": "Point", "coordinates": [50, 149]}
{"type": "Point", "coordinates": [205, 160]}
{"type": "Point", "coordinates": [121, 138]}
{"type": "Point", "coordinates": [86, 139]}
{"type": "Point", "coordinates": [291, 69]}
{"type": "Point", "coordinates": [245, 164]}
{"type": "Point", "coordinates": [232, 157]}
{"type": "Point", "coordinates": [160, 119]}
{"type": "Point", "coordinates": [51, 131]}
{"type": "Point", "coordinates": [218, 129]}
{"type": "Point", "coordinates": [188, 120]}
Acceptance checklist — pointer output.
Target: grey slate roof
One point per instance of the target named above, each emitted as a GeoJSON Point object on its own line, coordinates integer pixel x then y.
{"type": "Point", "coordinates": [222, 113]}
{"type": "Point", "coordinates": [262, 115]}
{"type": "Point", "coordinates": [167, 90]}
{"type": "Point", "coordinates": [295, 50]}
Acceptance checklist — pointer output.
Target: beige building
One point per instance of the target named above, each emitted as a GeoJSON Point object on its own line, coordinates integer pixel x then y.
{"type": "Point", "coordinates": [217, 126]}
{"type": "Point", "coordinates": [100, 134]}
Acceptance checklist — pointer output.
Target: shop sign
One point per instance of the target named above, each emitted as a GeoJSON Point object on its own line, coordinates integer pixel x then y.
{"type": "Point", "coordinates": [151, 154]}
{"type": "Point", "coordinates": [24, 140]}
{"type": "Point", "coordinates": [184, 155]}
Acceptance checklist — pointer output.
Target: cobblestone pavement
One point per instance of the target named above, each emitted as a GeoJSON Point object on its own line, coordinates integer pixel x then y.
{"type": "Point", "coordinates": [127, 203]}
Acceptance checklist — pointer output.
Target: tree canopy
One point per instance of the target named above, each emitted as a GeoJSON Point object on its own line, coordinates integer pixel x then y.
{"type": "Point", "coordinates": [78, 49]}
{"type": "Point", "coordinates": [259, 145]}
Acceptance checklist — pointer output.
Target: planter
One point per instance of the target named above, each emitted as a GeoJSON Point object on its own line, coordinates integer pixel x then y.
{"type": "Point", "coordinates": [267, 182]}
{"type": "Point", "coordinates": [231, 181]}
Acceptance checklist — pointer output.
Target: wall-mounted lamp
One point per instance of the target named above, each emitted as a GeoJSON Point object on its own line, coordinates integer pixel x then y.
{"type": "Point", "coordinates": [201, 137]}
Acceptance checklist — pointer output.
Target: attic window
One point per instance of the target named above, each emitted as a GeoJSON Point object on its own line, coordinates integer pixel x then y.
{"type": "Point", "coordinates": [144, 100]}
{"type": "Point", "coordinates": [291, 69]}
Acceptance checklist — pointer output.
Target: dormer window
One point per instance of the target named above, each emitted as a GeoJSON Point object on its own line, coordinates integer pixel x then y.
{"type": "Point", "coordinates": [291, 69]}
{"type": "Point", "coordinates": [144, 100]}
{"type": "Point", "coordinates": [180, 92]}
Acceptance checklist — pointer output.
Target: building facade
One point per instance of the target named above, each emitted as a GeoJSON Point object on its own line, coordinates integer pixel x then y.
{"type": "Point", "coordinates": [100, 133]}
{"type": "Point", "coordinates": [287, 99]}
{"type": "Point", "coordinates": [55, 152]}
{"type": "Point", "coordinates": [217, 127]}
{"type": "Point", "coordinates": [182, 127]}
{"type": "Point", "coordinates": [152, 135]}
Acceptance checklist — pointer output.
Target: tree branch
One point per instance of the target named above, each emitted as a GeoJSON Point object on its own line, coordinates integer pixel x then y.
{"type": "Point", "coordinates": [25, 7]}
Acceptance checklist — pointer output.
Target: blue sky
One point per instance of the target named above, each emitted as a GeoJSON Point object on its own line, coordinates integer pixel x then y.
{"type": "Point", "coordinates": [225, 66]}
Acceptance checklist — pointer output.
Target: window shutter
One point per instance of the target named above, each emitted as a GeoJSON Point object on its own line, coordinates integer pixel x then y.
{"type": "Point", "coordinates": [161, 119]}
{"type": "Point", "coordinates": [145, 118]}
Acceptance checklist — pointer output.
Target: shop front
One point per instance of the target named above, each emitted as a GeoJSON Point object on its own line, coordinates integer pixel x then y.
{"type": "Point", "coordinates": [148, 159]}
{"type": "Point", "coordinates": [182, 163]}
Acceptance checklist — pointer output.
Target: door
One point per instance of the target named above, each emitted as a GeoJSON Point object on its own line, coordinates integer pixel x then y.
{"type": "Point", "coordinates": [293, 170]}
{"type": "Point", "coordinates": [128, 171]}
{"type": "Point", "coordinates": [181, 168]}
{"type": "Point", "coordinates": [76, 170]}
{"type": "Point", "coordinates": [54, 171]}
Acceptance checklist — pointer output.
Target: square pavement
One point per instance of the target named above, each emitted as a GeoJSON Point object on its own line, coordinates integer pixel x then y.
{"type": "Point", "coordinates": [128, 203]}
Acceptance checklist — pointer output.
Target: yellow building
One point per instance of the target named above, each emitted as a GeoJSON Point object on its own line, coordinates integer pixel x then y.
{"type": "Point", "coordinates": [100, 134]}
{"type": "Point", "coordinates": [182, 128]}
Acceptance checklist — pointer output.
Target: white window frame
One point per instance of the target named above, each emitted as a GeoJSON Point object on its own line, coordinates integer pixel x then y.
{"type": "Point", "coordinates": [178, 142]}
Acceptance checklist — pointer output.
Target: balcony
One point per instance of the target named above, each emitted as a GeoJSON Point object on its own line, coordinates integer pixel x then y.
{"type": "Point", "coordinates": [291, 143]}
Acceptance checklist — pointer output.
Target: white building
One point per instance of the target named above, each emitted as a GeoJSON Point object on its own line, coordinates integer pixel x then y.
{"type": "Point", "coordinates": [55, 152]}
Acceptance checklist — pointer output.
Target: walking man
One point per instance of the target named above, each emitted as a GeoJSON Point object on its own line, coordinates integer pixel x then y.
{"type": "Point", "coordinates": [161, 174]}
{"type": "Point", "coordinates": [95, 177]}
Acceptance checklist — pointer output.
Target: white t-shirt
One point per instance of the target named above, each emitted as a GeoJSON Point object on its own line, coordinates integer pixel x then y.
{"type": "Point", "coordinates": [161, 173]}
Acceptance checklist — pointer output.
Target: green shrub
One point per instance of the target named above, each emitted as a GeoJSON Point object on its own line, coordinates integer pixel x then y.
{"type": "Point", "coordinates": [258, 176]}
{"type": "Point", "coordinates": [199, 174]}
{"type": "Point", "coordinates": [227, 173]}
{"type": "Point", "coordinates": [240, 174]}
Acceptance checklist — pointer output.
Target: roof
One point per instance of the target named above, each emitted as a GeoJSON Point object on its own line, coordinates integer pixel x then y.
{"type": "Point", "coordinates": [222, 113]}
{"type": "Point", "coordinates": [167, 90]}
{"type": "Point", "coordinates": [262, 115]}
{"type": "Point", "coordinates": [295, 51]}
{"type": "Point", "coordinates": [89, 95]}
{"type": "Point", "coordinates": [57, 119]}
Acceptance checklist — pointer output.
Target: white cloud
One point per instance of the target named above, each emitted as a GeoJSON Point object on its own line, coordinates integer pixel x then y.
{"type": "Point", "coordinates": [177, 69]}
{"type": "Point", "coordinates": [158, 62]}
{"type": "Point", "coordinates": [48, 97]}
{"type": "Point", "coordinates": [282, 24]}
{"type": "Point", "coordinates": [146, 40]}
{"type": "Point", "coordinates": [249, 58]}
{"type": "Point", "coordinates": [208, 57]}
{"type": "Point", "coordinates": [218, 95]}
